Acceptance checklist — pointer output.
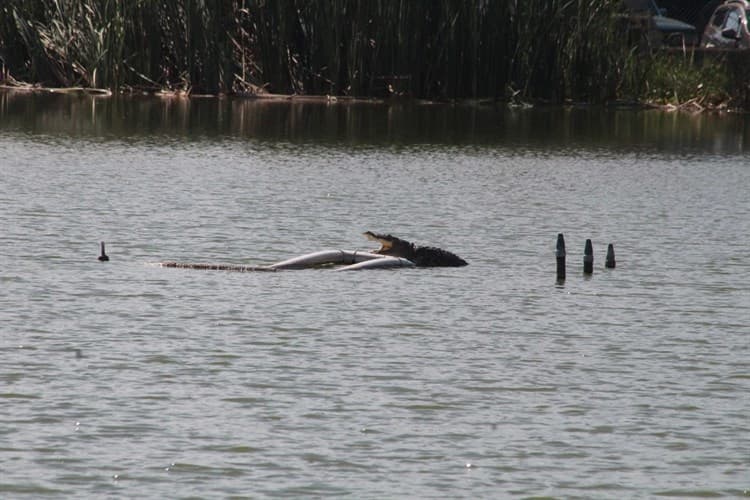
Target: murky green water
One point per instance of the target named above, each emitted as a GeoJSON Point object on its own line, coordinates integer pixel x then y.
{"type": "Point", "coordinates": [125, 379]}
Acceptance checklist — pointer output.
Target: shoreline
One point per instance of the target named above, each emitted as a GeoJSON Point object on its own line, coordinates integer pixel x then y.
{"type": "Point", "coordinates": [690, 106]}
{"type": "Point", "coordinates": [25, 87]}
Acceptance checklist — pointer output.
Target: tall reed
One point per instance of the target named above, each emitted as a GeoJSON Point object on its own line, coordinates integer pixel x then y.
{"type": "Point", "coordinates": [446, 49]}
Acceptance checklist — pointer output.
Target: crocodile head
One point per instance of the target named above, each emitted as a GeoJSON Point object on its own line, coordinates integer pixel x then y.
{"type": "Point", "coordinates": [421, 256]}
{"type": "Point", "coordinates": [390, 245]}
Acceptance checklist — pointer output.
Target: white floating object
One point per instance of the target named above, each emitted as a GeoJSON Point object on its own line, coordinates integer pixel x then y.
{"type": "Point", "coordinates": [381, 263]}
{"type": "Point", "coordinates": [325, 257]}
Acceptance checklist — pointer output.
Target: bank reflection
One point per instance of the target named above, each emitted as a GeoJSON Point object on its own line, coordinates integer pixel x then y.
{"type": "Point", "coordinates": [372, 123]}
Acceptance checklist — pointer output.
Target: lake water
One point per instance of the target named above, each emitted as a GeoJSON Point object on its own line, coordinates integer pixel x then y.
{"type": "Point", "coordinates": [125, 379]}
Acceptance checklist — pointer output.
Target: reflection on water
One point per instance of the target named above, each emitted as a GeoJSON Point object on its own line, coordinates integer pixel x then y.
{"type": "Point", "coordinates": [374, 122]}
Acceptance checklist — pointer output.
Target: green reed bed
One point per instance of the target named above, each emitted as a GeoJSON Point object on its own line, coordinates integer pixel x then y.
{"type": "Point", "coordinates": [546, 49]}
{"type": "Point", "coordinates": [111, 43]}
{"type": "Point", "coordinates": [550, 50]}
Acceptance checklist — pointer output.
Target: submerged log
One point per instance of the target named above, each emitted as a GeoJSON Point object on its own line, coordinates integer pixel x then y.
{"type": "Point", "coordinates": [351, 259]}
{"type": "Point", "coordinates": [217, 267]}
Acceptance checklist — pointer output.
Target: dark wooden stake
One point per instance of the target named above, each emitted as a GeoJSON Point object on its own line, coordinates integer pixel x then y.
{"type": "Point", "coordinates": [560, 254]}
{"type": "Point", "coordinates": [103, 257]}
{"type": "Point", "coordinates": [588, 258]}
{"type": "Point", "coordinates": [610, 262]}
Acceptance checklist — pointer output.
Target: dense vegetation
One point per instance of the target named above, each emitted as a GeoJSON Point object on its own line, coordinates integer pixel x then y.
{"type": "Point", "coordinates": [432, 48]}
{"type": "Point", "coordinates": [531, 49]}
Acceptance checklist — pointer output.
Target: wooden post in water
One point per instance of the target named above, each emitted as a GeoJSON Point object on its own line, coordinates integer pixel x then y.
{"type": "Point", "coordinates": [610, 262]}
{"type": "Point", "coordinates": [103, 257]}
{"type": "Point", "coordinates": [588, 258]}
{"type": "Point", "coordinates": [560, 254]}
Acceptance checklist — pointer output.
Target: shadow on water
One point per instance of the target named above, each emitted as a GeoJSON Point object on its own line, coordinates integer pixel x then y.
{"type": "Point", "coordinates": [372, 123]}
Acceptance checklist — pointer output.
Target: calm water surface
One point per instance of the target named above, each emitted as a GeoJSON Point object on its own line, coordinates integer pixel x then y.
{"type": "Point", "coordinates": [124, 379]}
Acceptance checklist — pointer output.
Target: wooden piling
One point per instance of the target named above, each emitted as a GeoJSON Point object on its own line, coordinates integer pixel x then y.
{"type": "Point", "coordinates": [560, 254]}
{"type": "Point", "coordinates": [588, 258]}
{"type": "Point", "coordinates": [103, 257]}
{"type": "Point", "coordinates": [610, 262]}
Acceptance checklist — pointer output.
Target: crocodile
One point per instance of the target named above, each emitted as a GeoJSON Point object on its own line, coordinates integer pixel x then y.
{"type": "Point", "coordinates": [421, 256]}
